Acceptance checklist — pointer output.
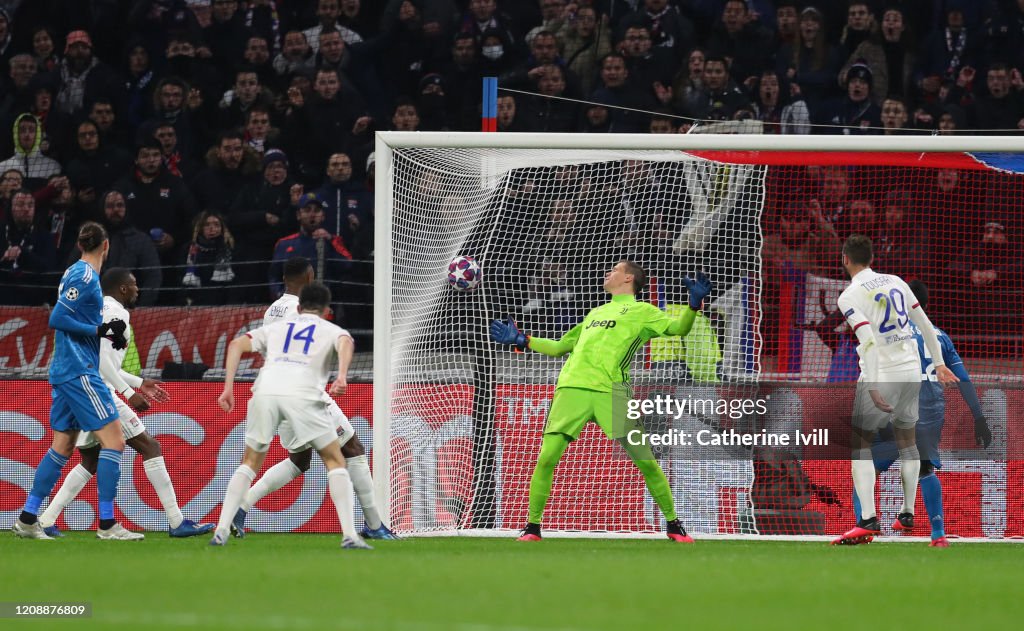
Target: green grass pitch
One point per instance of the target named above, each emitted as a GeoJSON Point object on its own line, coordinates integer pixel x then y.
{"type": "Point", "coordinates": [464, 584]}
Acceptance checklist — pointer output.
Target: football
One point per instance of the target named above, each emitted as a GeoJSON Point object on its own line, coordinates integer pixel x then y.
{"type": "Point", "coordinates": [464, 273]}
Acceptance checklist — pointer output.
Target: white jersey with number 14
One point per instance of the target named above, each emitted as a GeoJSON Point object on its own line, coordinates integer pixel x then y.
{"type": "Point", "coordinates": [300, 355]}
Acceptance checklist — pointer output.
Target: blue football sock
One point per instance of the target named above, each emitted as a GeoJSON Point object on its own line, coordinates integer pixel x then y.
{"type": "Point", "coordinates": [108, 473]}
{"type": "Point", "coordinates": [931, 493]}
{"type": "Point", "coordinates": [856, 505]}
{"type": "Point", "coordinates": [46, 477]}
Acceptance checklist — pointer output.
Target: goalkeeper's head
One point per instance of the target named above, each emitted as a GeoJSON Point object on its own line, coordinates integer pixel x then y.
{"type": "Point", "coordinates": [315, 298]}
{"type": "Point", "coordinates": [625, 277]}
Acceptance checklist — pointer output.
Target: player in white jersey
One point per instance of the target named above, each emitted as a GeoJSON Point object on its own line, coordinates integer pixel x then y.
{"type": "Point", "coordinates": [286, 400]}
{"type": "Point", "coordinates": [880, 309]}
{"type": "Point", "coordinates": [120, 293]}
{"type": "Point", "coordinates": [298, 273]}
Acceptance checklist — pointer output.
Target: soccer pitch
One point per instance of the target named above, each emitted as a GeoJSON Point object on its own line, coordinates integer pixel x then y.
{"type": "Point", "coordinates": [465, 584]}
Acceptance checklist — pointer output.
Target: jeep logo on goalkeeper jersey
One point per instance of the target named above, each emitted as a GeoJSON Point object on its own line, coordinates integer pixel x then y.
{"type": "Point", "coordinates": [602, 324]}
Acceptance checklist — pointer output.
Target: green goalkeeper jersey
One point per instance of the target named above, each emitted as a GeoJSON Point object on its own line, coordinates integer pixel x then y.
{"type": "Point", "coordinates": [603, 345]}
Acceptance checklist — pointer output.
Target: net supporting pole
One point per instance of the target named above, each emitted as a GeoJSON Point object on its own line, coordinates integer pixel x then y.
{"type": "Point", "coordinates": [382, 281]}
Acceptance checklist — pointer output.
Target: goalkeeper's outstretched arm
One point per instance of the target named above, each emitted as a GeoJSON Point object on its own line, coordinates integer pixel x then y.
{"type": "Point", "coordinates": [555, 348]}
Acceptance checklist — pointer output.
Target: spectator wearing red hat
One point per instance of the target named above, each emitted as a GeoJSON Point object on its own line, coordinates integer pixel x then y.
{"type": "Point", "coordinates": [82, 78]}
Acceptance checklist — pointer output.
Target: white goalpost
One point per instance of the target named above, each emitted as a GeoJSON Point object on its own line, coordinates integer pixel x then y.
{"type": "Point", "coordinates": [458, 420]}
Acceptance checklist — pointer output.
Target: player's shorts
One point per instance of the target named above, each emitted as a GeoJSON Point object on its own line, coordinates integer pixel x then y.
{"type": "Point", "coordinates": [83, 403]}
{"type": "Point", "coordinates": [572, 408]}
{"type": "Point", "coordinates": [927, 434]}
{"type": "Point", "coordinates": [131, 426]}
{"type": "Point", "coordinates": [300, 423]}
{"type": "Point", "coordinates": [341, 423]}
{"type": "Point", "coordinates": [901, 390]}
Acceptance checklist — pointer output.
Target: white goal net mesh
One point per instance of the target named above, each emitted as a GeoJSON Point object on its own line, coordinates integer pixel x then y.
{"type": "Point", "coordinates": [467, 416]}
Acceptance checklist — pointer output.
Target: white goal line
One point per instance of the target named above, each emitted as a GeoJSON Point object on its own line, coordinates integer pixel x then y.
{"type": "Point", "coordinates": [506, 533]}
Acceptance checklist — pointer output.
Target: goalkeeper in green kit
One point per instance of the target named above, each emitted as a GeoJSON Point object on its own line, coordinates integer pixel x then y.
{"type": "Point", "coordinates": [594, 382]}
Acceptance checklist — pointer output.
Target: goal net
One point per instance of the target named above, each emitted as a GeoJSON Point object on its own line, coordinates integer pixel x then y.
{"type": "Point", "coordinates": [458, 420]}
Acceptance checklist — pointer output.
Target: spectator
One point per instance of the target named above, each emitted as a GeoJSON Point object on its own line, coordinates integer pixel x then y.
{"type": "Point", "coordinates": [27, 251]}
{"type": "Point", "coordinates": [259, 135]}
{"type": "Point", "coordinates": [891, 56]}
{"type": "Point", "coordinates": [327, 12]}
{"type": "Point", "coordinates": [5, 37]}
{"type": "Point", "coordinates": [688, 84]}
{"type": "Point", "coordinates": [11, 181]}
{"type": "Point", "coordinates": [860, 25]}
{"type": "Point", "coordinates": [257, 57]}
{"type": "Point", "coordinates": [833, 200]}
{"type": "Point", "coordinates": [462, 76]}
{"type": "Point", "coordinates": [1003, 107]}
{"type": "Point", "coordinates": [894, 116]}
{"type": "Point", "coordinates": [650, 69]}
{"type": "Point", "coordinates": [951, 119]}
{"type": "Point", "coordinates": [158, 203]}
{"type": "Point", "coordinates": [174, 161]}
{"type": "Point", "coordinates": [1004, 35]}
{"type": "Point", "coordinates": [17, 90]}
{"type": "Point", "coordinates": [856, 113]}
{"type": "Point", "coordinates": [508, 116]}
{"type": "Point", "coordinates": [405, 117]}
{"type": "Point", "coordinates": [245, 93]}
{"type": "Point", "coordinates": [208, 272]}
{"type": "Point", "coordinates": [787, 20]}
{"type": "Point", "coordinates": [95, 166]}
{"type": "Point", "coordinates": [28, 158]}
{"type": "Point", "coordinates": [230, 167]}
{"type": "Point", "coordinates": [804, 239]}
{"type": "Point", "coordinates": [543, 52]}
{"type": "Point", "coordinates": [102, 113]}
{"type": "Point", "coordinates": [669, 28]}
{"type": "Point", "coordinates": [56, 126]}
{"type": "Point", "coordinates": [227, 33]}
{"type": "Point", "coordinates": [990, 272]}
{"type": "Point", "coordinates": [498, 54]}
{"type": "Point", "coordinates": [548, 113]}
{"type": "Point", "coordinates": [719, 100]}
{"type": "Point", "coordinates": [130, 248]}
{"type": "Point", "coordinates": [331, 121]}
{"type": "Point", "coordinates": [431, 103]}
{"type": "Point", "coordinates": [328, 253]}
{"type": "Point", "coordinates": [662, 123]}
{"type": "Point", "coordinates": [584, 40]}
{"type": "Point", "coordinates": [175, 103]}
{"type": "Point", "coordinates": [945, 52]}
{"type": "Point", "coordinates": [741, 39]}
{"type": "Point", "coordinates": [261, 215]}
{"type": "Point", "coordinates": [140, 75]}
{"type": "Point", "coordinates": [61, 212]}
{"type": "Point", "coordinates": [781, 111]}
{"type": "Point", "coordinates": [615, 91]}
{"type": "Point", "coordinates": [43, 48]}
{"type": "Point", "coordinates": [296, 55]}
{"type": "Point", "coordinates": [482, 19]}
{"type": "Point", "coordinates": [811, 63]}
{"type": "Point", "coordinates": [186, 64]}
{"type": "Point", "coordinates": [902, 248]}
{"type": "Point", "coordinates": [83, 78]}
{"type": "Point", "coordinates": [345, 201]}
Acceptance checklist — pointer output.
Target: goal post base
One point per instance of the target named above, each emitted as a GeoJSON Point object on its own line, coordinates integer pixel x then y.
{"type": "Point", "coordinates": [505, 533]}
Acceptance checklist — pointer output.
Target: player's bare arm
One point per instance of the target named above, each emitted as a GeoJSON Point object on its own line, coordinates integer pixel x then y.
{"type": "Point", "coordinates": [238, 347]}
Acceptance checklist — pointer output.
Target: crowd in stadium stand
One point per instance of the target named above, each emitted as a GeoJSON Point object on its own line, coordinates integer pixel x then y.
{"type": "Point", "coordinates": [216, 138]}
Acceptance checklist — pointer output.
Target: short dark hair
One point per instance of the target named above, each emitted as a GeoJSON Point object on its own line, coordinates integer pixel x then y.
{"type": "Point", "coordinates": [296, 267]}
{"type": "Point", "coordinates": [114, 278]}
{"type": "Point", "coordinates": [639, 275]}
{"type": "Point", "coordinates": [858, 249]}
{"type": "Point", "coordinates": [314, 297]}
{"type": "Point", "coordinates": [91, 236]}
{"type": "Point", "coordinates": [920, 292]}
{"type": "Point", "coordinates": [230, 135]}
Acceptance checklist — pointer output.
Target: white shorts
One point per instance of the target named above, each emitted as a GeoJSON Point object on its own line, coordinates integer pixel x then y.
{"type": "Point", "coordinates": [341, 423]}
{"type": "Point", "coordinates": [300, 423]}
{"type": "Point", "coordinates": [901, 390]}
{"type": "Point", "coordinates": [131, 426]}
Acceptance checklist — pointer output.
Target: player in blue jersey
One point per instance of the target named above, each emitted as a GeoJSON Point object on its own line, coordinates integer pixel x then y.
{"type": "Point", "coordinates": [929, 428]}
{"type": "Point", "coordinates": [81, 401]}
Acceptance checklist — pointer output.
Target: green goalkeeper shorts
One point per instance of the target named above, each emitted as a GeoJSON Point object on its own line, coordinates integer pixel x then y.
{"type": "Point", "coordinates": [572, 408]}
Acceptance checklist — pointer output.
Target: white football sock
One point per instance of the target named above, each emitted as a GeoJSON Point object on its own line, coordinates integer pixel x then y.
{"type": "Point", "coordinates": [864, 483]}
{"type": "Point", "coordinates": [156, 471]}
{"type": "Point", "coordinates": [359, 471]}
{"type": "Point", "coordinates": [910, 468]}
{"type": "Point", "coordinates": [276, 476]}
{"type": "Point", "coordinates": [339, 484]}
{"type": "Point", "coordinates": [73, 485]}
{"type": "Point", "coordinates": [237, 487]}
